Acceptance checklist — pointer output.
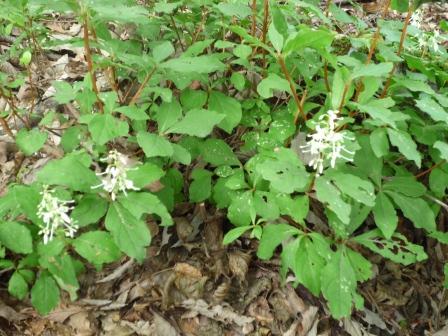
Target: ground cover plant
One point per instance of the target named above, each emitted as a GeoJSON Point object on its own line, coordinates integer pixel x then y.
{"type": "Point", "coordinates": [262, 111]}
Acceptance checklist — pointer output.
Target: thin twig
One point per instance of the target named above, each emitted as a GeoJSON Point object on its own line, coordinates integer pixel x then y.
{"type": "Point", "coordinates": [430, 169]}
{"type": "Point", "coordinates": [6, 127]}
{"type": "Point", "coordinates": [265, 27]}
{"type": "Point", "coordinates": [400, 49]}
{"type": "Point", "coordinates": [253, 30]}
{"type": "Point", "coordinates": [292, 86]}
{"type": "Point", "coordinates": [177, 32]}
{"type": "Point", "coordinates": [89, 61]}
{"type": "Point", "coordinates": [142, 86]}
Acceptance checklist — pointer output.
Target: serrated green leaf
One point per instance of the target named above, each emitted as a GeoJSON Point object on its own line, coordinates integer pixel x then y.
{"type": "Point", "coordinates": [406, 185]}
{"type": "Point", "coordinates": [89, 210]}
{"type": "Point", "coordinates": [416, 210]}
{"type": "Point", "coordinates": [97, 247]}
{"type": "Point", "coordinates": [16, 237]}
{"type": "Point", "coordinates": [104, 127]}
{"type": "Point", "coordinates": [154, 145]}
{"type": "Point", "coordinates": [31, 141]}
{"type": "Point", "coordinates": [199, 64]}
{"type": "Point", "coordinates": [45, 294]}
{"type": "Point", "coordinates": [397, 249]}
{"type": "Point", "coordinates": [234, 234]}
{"type": "Point", "coordinates": [130, 234]}
{"type": "Point", "coordinates": [273, 235]}
{"type": "Point", "coordinates": [70, 171]}
{"type": "Point", "coordinates": [379, 142]}
{"type": "Point", "coordinates": [372, 70]}
{"type": "Point", "coordinates": [385, 216]}
{"type": "Point", "coordinates": [227, 106]}
{"type": "Point", "coordinates": [201, 187]}
{"type": "Point", "coordinates": [327, 193]}
{"type": "Point", "coordinates": [218, 153]}
{"type": "Point", "coordinates": [405, 145]}
{"type": "Point", "coordinates": [197, 122]}
{"type": "Point", "coordinates": [431, 107]}
{"type": "Point", "coordinates": [17, 286]}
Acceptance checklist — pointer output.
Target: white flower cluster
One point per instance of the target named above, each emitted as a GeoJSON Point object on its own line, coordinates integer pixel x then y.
{"type": "Point", "coordinates": [327, 143]}
{"type": "Point", "coordinates": [425, 40]}
{"type": "Point", "coordinates": [114, 178]}
{"type": "Point", "coordinates": [54, 213]}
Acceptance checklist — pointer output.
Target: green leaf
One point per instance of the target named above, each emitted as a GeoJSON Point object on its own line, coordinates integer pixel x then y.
{"type": "Point", "coordinates": [275, 37]}
{"type": "Point", "coordinates": [234, 234]}
{"type": "Point", "coordinates": [64, 92]}
{"type": "Point", "coordinates": [362, 267]}
{"type": "Point", "coordinates": [145, 174]}
{"type": "Point", "coordinates": [218, 153]}
{"type": "Point", "coordinates": [443, 148]}
{"type": "Point", "coordinates": [405, 145]}
{"type": "Point", "coordinates": [104, 127]}
{"type": "Point", "coordinates": [406, 185]}
{"type": "Point", "coordinates": [272, 83]}
{"type": "Point", "coordinates": [416, 210]}
{"type": "Point", "coordinates": [119, 12]}
{"type": "Point", "coordinates": [199, 64]}
{"type": "Point", "coordinates": [168, 114]}
{"type": "Point", "coordinates": [397, 249]}
{"type": "Point", "coordinates": [238, 81]}
{"type": "Point", "coordinates": [239, 10]}
{"type": "Point", "coordinates": [354, 186]}
{"type": "Point", "coordinates": [130, 234]}
{"type": "Point", "coordinates": [193, 99]}
{"type": "Point", "coordinates": [241, 211]}
{"type": "Point", "coordinates": [154, 145]}
{"type": "Point", "coordinates": [197, 122]}
{"type": "Point", "coordinates": [139, 203]}
{"type": "Point", "coordinates": [227, 106]}
{"type": "Point", "coordinates": [309, 265]}
{"type": "Point", "coordinates": [431, 107]}
{"type": "Point", "coordinates": [327, 193]}
{"type": "Point", "coordinates": [284, 171]}
{"type": "Point", "coordinates": [89, 210]}
{"type": "Point", "coordinates": [379, 142]}
{"type": "Point", "coordinates": [133, 112]}
{"type": "Point", "coordinates": [201, 187]}
{"type": "Point", "coordinates": [273, 235]}
{"type": "Point", "coordinates": [70, 171]}
{"type": "Point", "coordinates": [97, 247]}
{"type": "Point", "coordinates": [16, 237]}
{"type": "Point", "coordinates": [17, 286]}
{"type": "Point", "coordinates": [339, 284]}
{"type": "Point", "coordinates": [162, 51]}
{"type": "Point", "coordinates": [181, 154]}
{"type": "Point", "coordinates": [295, 207]}
{"type": "Point", "coordinates": [31, 141]}
{"type": "Point", "coordinates": [308, 38]}
{"type": "Point", "coordinates": [372, 70]}
{"type": "Point", "coordinates": [266, 206]}
{"type": "Point", "coordinates": [385, 216]}
{"type": "Point", "coordinates": [63, 271]}
{"type": "Point", "coordinates": [45, 294]}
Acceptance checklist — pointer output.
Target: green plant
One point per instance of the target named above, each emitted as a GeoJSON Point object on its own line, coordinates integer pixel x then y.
{"type": "Point", "coordinates": [353, 124]}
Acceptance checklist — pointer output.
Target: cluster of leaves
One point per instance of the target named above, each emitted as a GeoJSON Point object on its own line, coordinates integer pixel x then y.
{"type": "Point", "coordinates": [245, 87]}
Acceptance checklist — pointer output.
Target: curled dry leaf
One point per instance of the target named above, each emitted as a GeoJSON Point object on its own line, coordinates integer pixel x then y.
{"type": "Point", "coordinates": [239, 264]}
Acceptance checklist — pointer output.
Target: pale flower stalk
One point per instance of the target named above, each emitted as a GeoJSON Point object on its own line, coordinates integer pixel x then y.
{"type": "Point", "coordinates": [114, 179]}
{"type": "Point", "coordinates": [54, 214]}
{"type": "Point", "coordinates": [327, 143]}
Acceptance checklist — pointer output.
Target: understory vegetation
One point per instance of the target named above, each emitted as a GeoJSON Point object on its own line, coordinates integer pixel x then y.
{"type": "Point", "coordinates": [320, 136]}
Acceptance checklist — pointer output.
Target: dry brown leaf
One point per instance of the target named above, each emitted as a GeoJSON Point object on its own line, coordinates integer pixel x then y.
{"type": "Point", "coordinates": [81, 324]}
{"type": "Point", "coordinates": [219, 312]}
{"type": "Point", "coordinates": [163, 327]}
{"type": "Point", "coordinates": [239, 264]}
{"type": "Point", "coordinates": [261, 311]}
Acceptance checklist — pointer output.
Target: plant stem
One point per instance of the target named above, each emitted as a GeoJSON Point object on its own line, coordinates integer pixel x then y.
{"type": "Point", "coordinates": [299, 102]}
{"type": "Point", "coordinates": [399, 51]}
{"type": "Point", "coordinates": [88, 56]}
{"type": "Point", "coordinates": [327, 7]}
{"type": "Point", "coordinates": [253, 30]}
{"type": "Point", "coordinates": [177, 32]}
{"type": "Point", "coordinates": [142, 86]}
{"type": "Point", "coordinates": [430, 169]}
{"type": "Point", "coordinates": [265, 27]}
{"type": "Point", "coordinates": [6, 127]}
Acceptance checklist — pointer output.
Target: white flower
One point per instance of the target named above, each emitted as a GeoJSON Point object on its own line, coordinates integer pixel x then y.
{"type": "Point", "coordinates": [416, 19]}
{"type": "Point", "coordinates": [114, 178]}
{"type": "Point", "coordinates": [434, 40]}
{"type": "Point", "coordinates": [326, 143]}
{"type": "Point", "coordinates": [54, 213]}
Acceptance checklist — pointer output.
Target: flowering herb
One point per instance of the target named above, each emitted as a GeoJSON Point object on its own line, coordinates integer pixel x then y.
{"type": "Point", "coordinates": [327, 142]}
{"type": "Point", "coordinates": [54, 214]}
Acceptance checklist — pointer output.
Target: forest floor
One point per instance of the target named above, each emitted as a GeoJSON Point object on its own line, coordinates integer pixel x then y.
{"type": "Point", "coordinates": [190, 284]}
